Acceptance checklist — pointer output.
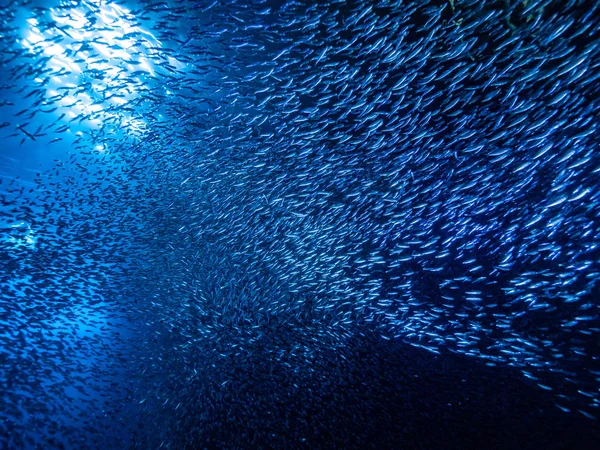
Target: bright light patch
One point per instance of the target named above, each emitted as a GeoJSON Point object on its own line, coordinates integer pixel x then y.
{"type": "Point", "coordinates": [21, 235]}
{"type": "Point", "coordinates": [99, 61]}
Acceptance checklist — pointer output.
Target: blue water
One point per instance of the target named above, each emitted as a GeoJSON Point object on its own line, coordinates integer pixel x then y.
{"type": "Point", "coordinates": [216, 234]}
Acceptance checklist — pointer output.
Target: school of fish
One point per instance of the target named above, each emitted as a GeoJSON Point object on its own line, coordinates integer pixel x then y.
{"type": "Point", "coordinates": [249, 187]}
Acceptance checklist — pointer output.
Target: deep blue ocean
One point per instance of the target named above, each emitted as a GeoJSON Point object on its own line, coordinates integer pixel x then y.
{"type": "Point", "coordinates": [299, 224]}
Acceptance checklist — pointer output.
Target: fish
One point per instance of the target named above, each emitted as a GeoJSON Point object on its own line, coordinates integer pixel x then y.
{"type": "Point", "coordinates": [284, 224]}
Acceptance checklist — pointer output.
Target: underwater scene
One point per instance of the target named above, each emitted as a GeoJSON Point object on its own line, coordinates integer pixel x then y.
{"type": "Point", "coordinates": [300, 224]}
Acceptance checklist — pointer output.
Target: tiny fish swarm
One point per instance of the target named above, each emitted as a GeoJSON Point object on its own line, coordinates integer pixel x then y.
{"type": "Point", "coordinates": [287, 198]}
